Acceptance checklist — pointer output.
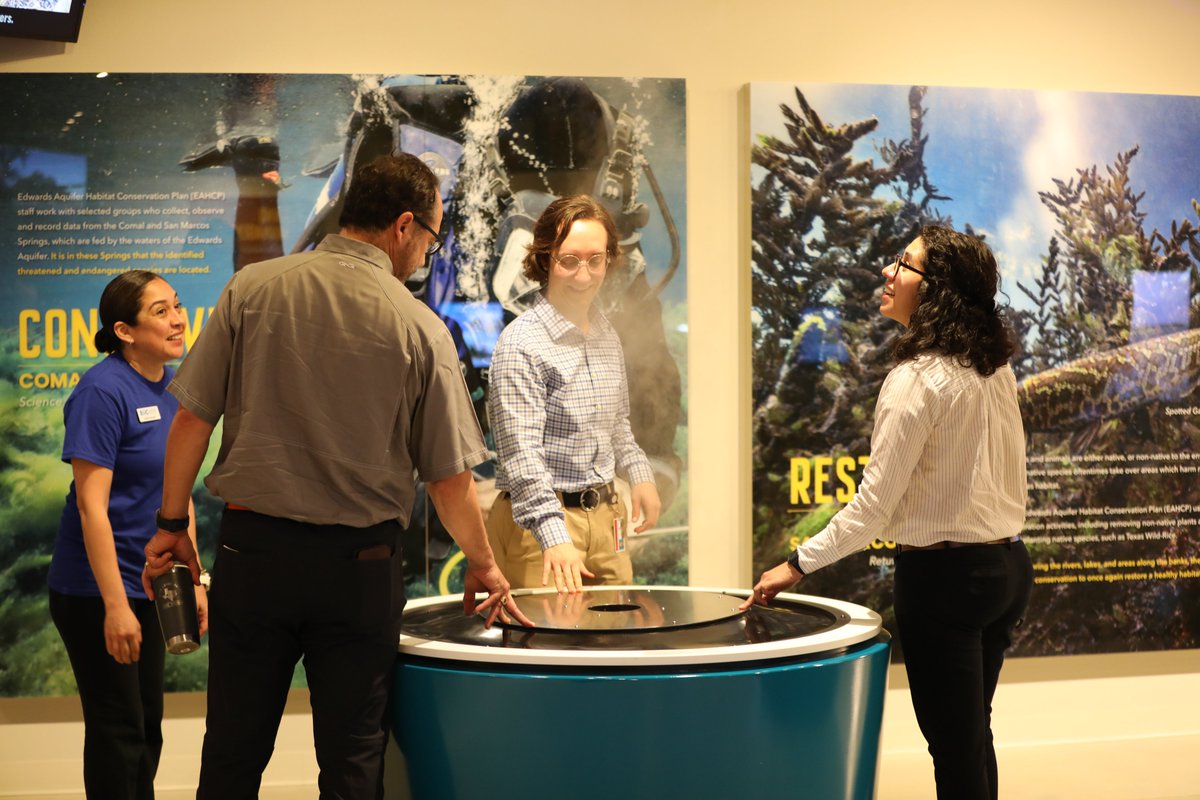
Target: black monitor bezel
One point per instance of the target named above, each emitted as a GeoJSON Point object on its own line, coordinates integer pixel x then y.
{"type": "Point", "coordinates": [54, 26]}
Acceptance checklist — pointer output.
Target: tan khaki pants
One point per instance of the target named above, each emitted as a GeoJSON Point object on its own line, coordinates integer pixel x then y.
{"type": "Point", "coordinates": [520, 556]}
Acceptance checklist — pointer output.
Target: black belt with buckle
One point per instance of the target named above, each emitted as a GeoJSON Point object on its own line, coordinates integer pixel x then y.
{"type": "Point", "coordinates": [590, 498]}
{"type": "Point", "coordinates": [948, 545]}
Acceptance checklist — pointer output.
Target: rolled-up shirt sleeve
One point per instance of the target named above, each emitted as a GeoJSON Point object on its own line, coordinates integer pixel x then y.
{"type": "Point", "coordinates": [517, 411]}
{"type": "Point", "coordinates": [445, 438]}
{"type": "Point", "coordinates": [201, 384]}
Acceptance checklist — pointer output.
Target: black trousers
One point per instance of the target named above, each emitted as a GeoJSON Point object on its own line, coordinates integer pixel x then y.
{"type": "Point", "coordinates": [284, 590]}
{"type": "Point", "coordinates": [122, 703]}
{"type": "Point", "coordinates": [956, 610]}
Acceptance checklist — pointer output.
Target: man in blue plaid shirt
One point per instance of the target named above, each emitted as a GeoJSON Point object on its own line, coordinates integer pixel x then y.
{"type": "Point", "coordinates": [558, 405]}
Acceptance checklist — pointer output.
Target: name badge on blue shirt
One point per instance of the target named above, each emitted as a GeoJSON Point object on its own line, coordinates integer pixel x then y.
{"type": "Point", "coordinates": [148, 414]}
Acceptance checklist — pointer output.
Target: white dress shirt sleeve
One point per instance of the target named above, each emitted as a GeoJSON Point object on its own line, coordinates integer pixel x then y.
{"type": "Point", "coordinates": [905, 414]}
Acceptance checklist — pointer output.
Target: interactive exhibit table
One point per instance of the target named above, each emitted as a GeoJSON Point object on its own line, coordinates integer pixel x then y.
{"type": "Point", "coordinates": [642, 691]}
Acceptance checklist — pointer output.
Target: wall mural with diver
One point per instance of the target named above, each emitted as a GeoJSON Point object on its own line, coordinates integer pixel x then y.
{"type": "Point", "coordinates": [195, 176]}
{"type": "Point", "coordinates": [1089, 203]}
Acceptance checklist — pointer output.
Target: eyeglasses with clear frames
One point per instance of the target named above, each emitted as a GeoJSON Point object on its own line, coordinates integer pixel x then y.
{"type": "Point", "coordinates": [898, 261]}
{"type": "Point", "coordinates": [437, 239]}
{"type": "Point", "coordinates": [595, 262]}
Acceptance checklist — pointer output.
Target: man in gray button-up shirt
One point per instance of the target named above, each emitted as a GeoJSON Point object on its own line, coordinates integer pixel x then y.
{"type": "Point", "coordinates": [336, 385]}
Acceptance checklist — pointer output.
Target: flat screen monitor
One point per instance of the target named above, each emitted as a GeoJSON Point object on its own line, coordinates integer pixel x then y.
{"type": "Point", "coordinates": [56, 20]}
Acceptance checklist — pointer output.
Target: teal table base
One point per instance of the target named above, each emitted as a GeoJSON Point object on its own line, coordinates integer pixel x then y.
{"type": "Point", "coordinates": [802, 728]}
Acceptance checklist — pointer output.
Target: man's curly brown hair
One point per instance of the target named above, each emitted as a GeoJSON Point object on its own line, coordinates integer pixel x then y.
{"type": "Point", "coordinates": [553, 226]}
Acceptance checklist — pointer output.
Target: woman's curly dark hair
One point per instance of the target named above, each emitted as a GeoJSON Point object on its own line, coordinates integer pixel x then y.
{"type": "Point", "coordinates": [956, 313]}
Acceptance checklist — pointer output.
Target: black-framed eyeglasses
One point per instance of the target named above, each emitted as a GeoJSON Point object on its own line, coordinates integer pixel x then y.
{"type": "Point", "coordinates": [437, 238]}
{"type": "Point", "coordinates": [898, 261]}
{"type": "Point", "coordinates": [570, 263]}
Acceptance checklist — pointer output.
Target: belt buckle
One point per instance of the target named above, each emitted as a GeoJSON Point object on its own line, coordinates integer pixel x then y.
{"type": "Point", "coordinates": [589, 499]}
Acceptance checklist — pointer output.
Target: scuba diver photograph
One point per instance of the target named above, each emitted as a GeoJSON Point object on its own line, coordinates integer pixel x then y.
{"type": "Point", "coordinates": [503, 149]}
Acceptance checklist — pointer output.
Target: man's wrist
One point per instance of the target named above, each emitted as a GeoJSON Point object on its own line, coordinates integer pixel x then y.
{"type": "Point", "coordinates": [175, 525]}
{"type": "Point", "coordinates": [550, 532]}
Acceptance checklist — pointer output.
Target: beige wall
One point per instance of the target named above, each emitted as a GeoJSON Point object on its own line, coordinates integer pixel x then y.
{"type": "Point", "coordinates": [718, 46]}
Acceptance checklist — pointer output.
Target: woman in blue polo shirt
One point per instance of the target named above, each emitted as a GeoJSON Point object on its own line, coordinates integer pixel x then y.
{"type": "Point", "coordinates": [116, 422]}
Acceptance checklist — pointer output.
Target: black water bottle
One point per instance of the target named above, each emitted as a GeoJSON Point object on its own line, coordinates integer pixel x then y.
{"type": "Point", "coordinates": [175, 600]}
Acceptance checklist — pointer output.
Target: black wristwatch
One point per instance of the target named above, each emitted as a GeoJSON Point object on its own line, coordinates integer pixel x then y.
{"type": "Point", "coordinates": [794, 562]}
{"type": "Point", "coordinates": [169, 525]}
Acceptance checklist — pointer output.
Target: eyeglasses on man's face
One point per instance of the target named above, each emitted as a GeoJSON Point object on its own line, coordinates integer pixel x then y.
{"type": "Point", "coordinates": [894, 264]}
{"type": "Point", "coordinates": [437, 243]}
{"type": "Point", "coordinates": [570, 263]}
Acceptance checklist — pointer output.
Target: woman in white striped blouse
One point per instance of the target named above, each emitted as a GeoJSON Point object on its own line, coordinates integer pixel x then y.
{"type": "Point", "coordinates": [946, 481]}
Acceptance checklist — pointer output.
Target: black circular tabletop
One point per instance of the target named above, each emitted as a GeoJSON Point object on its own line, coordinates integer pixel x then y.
{"type": "Point", "coordinates": [642, 625]}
